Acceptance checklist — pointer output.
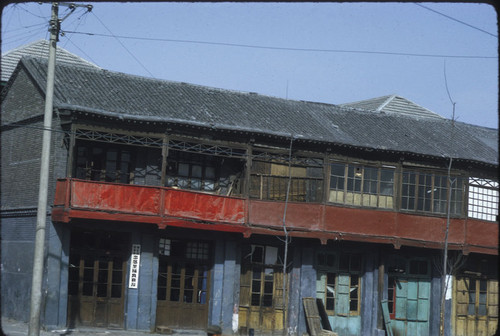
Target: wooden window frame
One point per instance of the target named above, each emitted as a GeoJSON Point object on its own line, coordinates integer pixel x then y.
{"type": "Point", "coordinates": [343, 277]}
{"type": "Point", "coordinates": [357, 174]}
{"type": "Point", "coordinates": [422, 193]}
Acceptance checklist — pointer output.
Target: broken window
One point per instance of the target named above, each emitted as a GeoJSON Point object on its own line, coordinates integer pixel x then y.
{"type": "Point", "coordinates": [428, 192]}
{"type": "Point", "coordinates": [272, 177]}
{"type": "Point", "coordinates": [261, 276]}
{"type": "Point", "coordinates": [186, 170]}
{"type": "Point", "coordinates": [338, 282]}
{"type": "Point", "coordinates": [408, 288]}
{"type": "Point", "coordinates": [358, 184]}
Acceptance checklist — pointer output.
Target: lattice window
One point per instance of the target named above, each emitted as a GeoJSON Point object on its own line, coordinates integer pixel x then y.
{"type": "Point", "coordinates": [483, 199]}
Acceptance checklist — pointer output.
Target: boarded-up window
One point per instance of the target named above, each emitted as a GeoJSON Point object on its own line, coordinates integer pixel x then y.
{"type": "Point", "coordinates": [275, 178]}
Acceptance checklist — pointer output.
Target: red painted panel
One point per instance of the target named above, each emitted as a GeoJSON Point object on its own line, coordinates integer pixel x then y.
{"type": "Point", "coordinates": [421, 228]}
{"type": "Point", "coordinates": [298, 215]}
{"type": "Point", "coordinates": [482, 233]}
{"type": "Point", "coordinates": [194, 205]}
{"type": "Point", "coordinates": [360, 221]}
{"type": "Point", "coordinates": [166, 206]}
{"type": "Point", "coordinates": [115, 197]}
{"type": "Point", "coordinates": [61, 192]}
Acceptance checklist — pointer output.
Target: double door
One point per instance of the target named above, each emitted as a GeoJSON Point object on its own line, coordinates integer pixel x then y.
{"type": "Point", "coordinates": [96, 282]}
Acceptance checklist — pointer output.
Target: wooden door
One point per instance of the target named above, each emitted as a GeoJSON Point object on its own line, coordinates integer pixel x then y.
{"type": "Point", "coordinates": [476, 306]}
{"type": "Point", "coordinates": [261, 292]}
{"type": "Point", "coordinates": [96, 291]}
{"type": "Point", "coordinates": [183, 284]}
{"type": "Point", "coordinates": [96, 283]}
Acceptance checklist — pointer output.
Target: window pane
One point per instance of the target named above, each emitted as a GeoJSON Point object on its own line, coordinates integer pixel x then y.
{"type": "Point", "coordinates": [183, 169]}
{"type": "Point", "coordinates": [387, 182]}
{"type": "Point", "coordinates": [196, 171]}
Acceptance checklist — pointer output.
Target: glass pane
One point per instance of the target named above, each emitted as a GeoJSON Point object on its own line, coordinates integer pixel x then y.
{"type": "Point", "coordinates": [267, 300]}
{"type": "Point", "coordinates": [257, 254]}
{"type": "Point", "coordinates": [162, 294]}
{"type": "Point", "coordinates": [87, 289]}
{"type": "Point", "coordinates": [116, 291]}
{"type": "Point", "coordinates": [210, 173]}
{"type": "Point", "coordinates": [183, 169]}
{"type": "Point", "coordinates": [196, 171]}
{"type": "Point", "coordinates": [256, 299]}
{"type": "Point", "coordinates": [174, 294]}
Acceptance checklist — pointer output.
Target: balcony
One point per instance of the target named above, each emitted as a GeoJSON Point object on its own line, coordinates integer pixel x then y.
{"type": "Point", "coordinates": [162, 206]}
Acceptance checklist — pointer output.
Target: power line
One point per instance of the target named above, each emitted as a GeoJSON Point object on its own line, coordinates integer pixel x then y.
{"type": "Point", "coordinates": [117, 38]}
{"type": "Point", "coordinates": [456, 20]}
{"type": "Point", "coordinates": [280, 48]}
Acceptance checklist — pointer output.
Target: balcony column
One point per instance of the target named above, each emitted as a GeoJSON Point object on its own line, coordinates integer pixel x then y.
{"type": "Point", "coordinates": [326, 176]}
{"type": "Point", "coordinates": [164, 155]}
{"type": "Point", "coordinates": [71, 151]}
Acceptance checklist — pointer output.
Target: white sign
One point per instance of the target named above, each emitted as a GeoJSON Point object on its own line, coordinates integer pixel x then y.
{"type": "Point", "coordinates": [135, 261]}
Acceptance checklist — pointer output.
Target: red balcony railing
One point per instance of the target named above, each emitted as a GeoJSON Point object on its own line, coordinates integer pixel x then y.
{"type": "Point", "coordinates": [80, 199]}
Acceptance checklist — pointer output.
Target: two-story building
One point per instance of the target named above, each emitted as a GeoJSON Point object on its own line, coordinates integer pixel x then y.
{"type": "Point", "coordinates": [179, 205]}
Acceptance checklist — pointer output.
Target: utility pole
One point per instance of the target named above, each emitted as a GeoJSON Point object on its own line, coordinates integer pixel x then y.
{"type": "Point", "coordinates": [41, 219]}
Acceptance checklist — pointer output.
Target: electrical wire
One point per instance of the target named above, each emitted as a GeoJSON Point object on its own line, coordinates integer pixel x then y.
{"type": "Point", "coordinates": [456, 20]}
{"type": "Point", "coordinates": [124, 47]}
{"type": "Point", "coordinates": [280, 48]}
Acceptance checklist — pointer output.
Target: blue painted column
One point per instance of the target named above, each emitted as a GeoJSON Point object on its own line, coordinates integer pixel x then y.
{"type": "Point", "coordinates": [435, 304]}
{"type": "Point", "coordinates": [215, 304]}
{"type": "Point", "coordinates": [56, 294]}
{"type": "Point", "coordinates": [141, 301]}
{"type": "Point", "coordinates": [294, 298]}
{"type": "Point", "coordinates": [307, 285]}
{"type": "Point", "coordinates": [230, 285]}
{"type": "Point", "coordinates": [369, 294]}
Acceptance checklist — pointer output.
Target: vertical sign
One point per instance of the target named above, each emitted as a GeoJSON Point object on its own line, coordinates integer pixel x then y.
{"type": "Point", "coordinates": [134, 266]}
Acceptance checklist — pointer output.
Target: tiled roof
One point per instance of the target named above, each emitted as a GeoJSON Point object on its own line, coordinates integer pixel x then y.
{"type": "Point", "coordinates": [137, 98]}
{"type": "Point", "coordinates": [38, 48]}
{"type": "Point", "coordinates": [393, 104]}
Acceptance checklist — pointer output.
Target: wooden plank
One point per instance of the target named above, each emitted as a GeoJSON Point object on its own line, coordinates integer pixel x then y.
{"type": "Point", "coordinates": [387, 319]}
{"type": "Point", "coordinates": [325, 323]}
{"type": "Point", "coordinates": [313, 318]}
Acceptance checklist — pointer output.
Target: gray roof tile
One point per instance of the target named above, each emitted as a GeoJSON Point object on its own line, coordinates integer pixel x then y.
{"type": "Point", "coordinates": [132, 97]}
{"type": "Point", "coordinates": [38, 48]}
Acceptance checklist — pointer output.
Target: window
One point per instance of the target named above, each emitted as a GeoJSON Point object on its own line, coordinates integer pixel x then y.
{"type": "Point", "coordinates": [476, 296]}
{"type": "Point", "coordinates": [408, 288]}
{"type": "Point", "coordinates": [192, 171]}
{"type": "Point", "coordinates": [338, 282]}
{"type": "Point", "coordinates": [262, 277]}
{"type": "Point", "coordinates": [483, 199]}
{"type": "Point", "coordinates": [101, 162]}
{"type": "Point", "coordinates": [183, 271]}
{"type": "Point", "coordinates": [357, 184]}
{"type": "Point", "coordinates": [270, 179]}
{"type": "Point", "coordinates": [428, 192]}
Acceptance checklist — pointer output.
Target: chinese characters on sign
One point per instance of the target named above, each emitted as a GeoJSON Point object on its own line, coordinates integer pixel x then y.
{"type": "Point", "coordinates": [134, 266]}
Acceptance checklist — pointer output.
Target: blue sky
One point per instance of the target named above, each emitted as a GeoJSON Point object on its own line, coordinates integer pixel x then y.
{"type": "Point", "coordinates": [324, 52]}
